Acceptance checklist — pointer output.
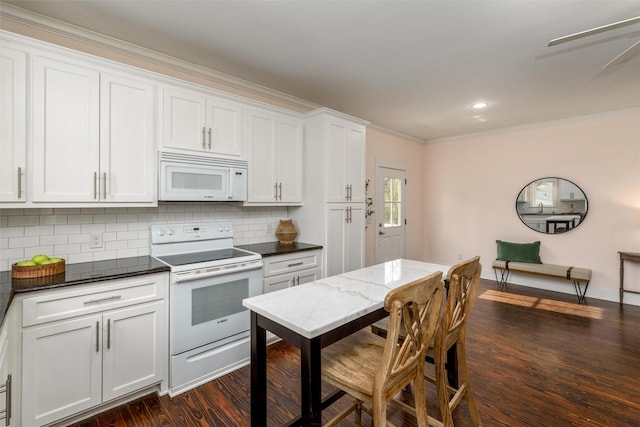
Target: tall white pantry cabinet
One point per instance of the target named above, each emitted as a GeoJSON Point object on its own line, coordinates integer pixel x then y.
{"type": "Point", "coordinates": [334, 180]}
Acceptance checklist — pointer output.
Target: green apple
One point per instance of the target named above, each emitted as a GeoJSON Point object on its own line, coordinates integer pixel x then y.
{"type": "Point", "coordinates": [46, 261]}
{"type": "Point", "coordinates": [25, 263]}
{"type": "Point", "coordinates": [39, 259]}
{"type": "Point", "coordinates": [53, 260]}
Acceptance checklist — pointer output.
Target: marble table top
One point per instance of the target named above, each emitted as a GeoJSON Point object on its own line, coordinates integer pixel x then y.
{"type": "Point", "coordinates": [315, 308]}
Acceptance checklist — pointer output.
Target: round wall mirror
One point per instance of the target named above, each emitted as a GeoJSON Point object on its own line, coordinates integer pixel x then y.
{"type": "Point", "coordinates": [552, 205]}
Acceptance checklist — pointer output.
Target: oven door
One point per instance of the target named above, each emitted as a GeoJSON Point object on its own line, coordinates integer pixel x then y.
{"type": "Point", "coordinates": [209, 309]}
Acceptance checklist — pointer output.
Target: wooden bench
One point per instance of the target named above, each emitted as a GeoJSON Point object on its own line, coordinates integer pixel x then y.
{"type": "Point", "coordinates": [579, 276]}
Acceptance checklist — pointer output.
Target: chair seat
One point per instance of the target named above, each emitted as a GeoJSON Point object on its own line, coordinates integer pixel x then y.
{"type": "Point", "coordinates": [355, 359]}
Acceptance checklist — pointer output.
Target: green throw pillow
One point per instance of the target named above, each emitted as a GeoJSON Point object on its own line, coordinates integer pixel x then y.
{"type": "Point", "coordinates": [519, 252]}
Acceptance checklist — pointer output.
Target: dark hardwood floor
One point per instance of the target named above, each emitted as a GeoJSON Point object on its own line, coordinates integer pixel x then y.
{"type": "Point", "coordinates": [536, 358]}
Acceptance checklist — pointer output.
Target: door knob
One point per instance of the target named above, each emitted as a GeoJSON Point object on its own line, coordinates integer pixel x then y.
{"type": "Point", "coordinates": [381, 233]}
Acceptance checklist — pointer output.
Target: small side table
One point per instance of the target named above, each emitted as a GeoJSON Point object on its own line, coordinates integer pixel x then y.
{"type": "Point", "coordinates": [626, 256]}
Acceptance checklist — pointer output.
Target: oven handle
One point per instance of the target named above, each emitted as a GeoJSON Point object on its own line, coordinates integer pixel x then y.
{"type": "Point", "coordinates": [188, 277]}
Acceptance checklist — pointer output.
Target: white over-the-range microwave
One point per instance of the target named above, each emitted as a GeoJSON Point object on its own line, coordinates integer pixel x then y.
{"type": "Point", "coordinates": [184, 177]}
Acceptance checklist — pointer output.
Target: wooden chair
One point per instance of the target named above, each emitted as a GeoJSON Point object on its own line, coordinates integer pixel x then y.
{"type": "Point", "coordinates": [373, 369]}
{"type": "Point", "coordinates": [463, 279]}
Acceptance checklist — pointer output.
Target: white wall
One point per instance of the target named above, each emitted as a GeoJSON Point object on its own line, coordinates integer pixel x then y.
{"type": "Point", "coordinates": [65, 232]}
{"type": "Point", "coordinates": [471, 185]}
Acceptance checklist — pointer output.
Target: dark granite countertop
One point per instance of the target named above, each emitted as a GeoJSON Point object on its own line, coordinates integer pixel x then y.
{"type": "Point", "coordinates": [77, 274]}
{"type": "Point", "coordinates": [275, 248]}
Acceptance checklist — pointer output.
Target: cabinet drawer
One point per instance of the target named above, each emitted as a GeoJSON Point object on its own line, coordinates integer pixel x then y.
{"type": "Point", "coordinates": [62, 304]}
{"type": "Point", "coordinates": [282, 264]}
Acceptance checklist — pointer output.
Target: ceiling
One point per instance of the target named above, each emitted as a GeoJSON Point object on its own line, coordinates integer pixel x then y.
{"type": "Point", "coordinates": [414, 67]}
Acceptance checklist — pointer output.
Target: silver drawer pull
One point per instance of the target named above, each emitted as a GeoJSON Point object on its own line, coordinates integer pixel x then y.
{"type": "Point", "coordinates": [98, 301]}
{"type": "Point", "coordinates": [6, 388]}
{"type": "Point", "coordinates": [295, 264]}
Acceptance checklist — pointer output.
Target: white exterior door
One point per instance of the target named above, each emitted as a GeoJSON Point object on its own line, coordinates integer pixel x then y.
{"type": "Point", "coordinates": [127, 161]}
{"type": "Point", "coordinates": [13, 124]}
{"type": "Point", "coordinates": [66, 119]}
{"type": "Point", "coordinates": [391, 214]}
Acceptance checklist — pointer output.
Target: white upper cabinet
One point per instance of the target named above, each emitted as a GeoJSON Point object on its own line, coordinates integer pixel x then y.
{"type": "Point", "coordinates": [13, 124]}
{"type": "Point", "coordinates": [127, 126]}
{"type": "Point", "coordinates": [66, 131]}
{"type": "Point", "coordinates": [197, 122]}
{"type": "Point", "coordinates": [93, 134]}
{"type": "Point", "coordinates": [275, 158]}
{"type": "Point", "coordinates": [345, 161]}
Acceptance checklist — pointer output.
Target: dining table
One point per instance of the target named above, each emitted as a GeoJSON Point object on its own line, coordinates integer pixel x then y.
{"type": "Point", "coordinates": [314, 315]}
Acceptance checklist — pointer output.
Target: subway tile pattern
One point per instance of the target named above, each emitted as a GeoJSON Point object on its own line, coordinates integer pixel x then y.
{"type": "Point", "coordinates": [65, 232]}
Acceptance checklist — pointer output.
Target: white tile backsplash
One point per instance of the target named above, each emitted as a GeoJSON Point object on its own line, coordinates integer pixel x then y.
{"type": "Point", "coordinates": [64, 232]}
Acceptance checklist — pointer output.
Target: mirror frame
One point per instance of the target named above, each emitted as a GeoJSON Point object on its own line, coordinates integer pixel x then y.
{"type": "Point", "coordinates": [564, 205]}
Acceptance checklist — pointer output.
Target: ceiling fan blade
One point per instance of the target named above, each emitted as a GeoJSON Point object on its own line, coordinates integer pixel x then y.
{"type": "Point", "coordinates": [627, 54]}
{"type": "Point", "coordinates": [596, 30]}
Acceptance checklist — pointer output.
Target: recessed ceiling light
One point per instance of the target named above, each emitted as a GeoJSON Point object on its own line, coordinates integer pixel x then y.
{"type": "Point", "coordinates": [479, 105]}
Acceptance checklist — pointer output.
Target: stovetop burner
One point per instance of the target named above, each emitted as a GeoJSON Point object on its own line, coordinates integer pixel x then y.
{"type": "Point", "coordinates": [200, 257]}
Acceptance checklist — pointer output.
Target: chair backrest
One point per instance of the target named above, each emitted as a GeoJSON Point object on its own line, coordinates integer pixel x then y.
{"type": "Point", "coordinates": [414, 310]}
{"type": "Point", "coordinates": [463, 281]}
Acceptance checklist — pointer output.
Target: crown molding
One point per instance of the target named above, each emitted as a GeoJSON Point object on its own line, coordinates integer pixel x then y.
{"type": "Point", "coordinates": [92, 38]}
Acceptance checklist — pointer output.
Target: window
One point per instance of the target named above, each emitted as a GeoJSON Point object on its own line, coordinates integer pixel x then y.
{"type": "Point", "coordinates": [544, 192]}
{"type": "Point", "coordinates": [392, 201]}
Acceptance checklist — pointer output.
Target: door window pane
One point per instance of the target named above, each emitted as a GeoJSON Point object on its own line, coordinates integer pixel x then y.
{"type": "Point", "coordinates": [392, 201]}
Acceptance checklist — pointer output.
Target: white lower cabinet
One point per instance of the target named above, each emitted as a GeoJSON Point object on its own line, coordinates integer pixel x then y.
{"type": "Point", "coordinates": [345, 237]}
{"type": "Point", "coordinates": [284, 271]}
{"type": "Point", "coordinates": [116, 346]}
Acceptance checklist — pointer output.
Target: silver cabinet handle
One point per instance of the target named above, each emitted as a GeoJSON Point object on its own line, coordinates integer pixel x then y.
{"type": "Point", "coordinates": [280, 190]}
{"type": "Point", "coordinates": [209, 138]}
{"type": "Point", "coordinates": [19, 182]}
{"type": "Point", "coordinates": [346, 190]}
{"type": "Point", "coordinates": [204, 145]}
{"type": "Point", "coordinates": [104, 186]}
{"type": "Point", "coordinates": [97, 337]}
{"type": "Point", "coordinates": [275, 190]}
{"type": "Point", "coordinates": [295, 264]}
{"type": "Point", "coordinates": [108, 334]}
{"type": "Point", "coordinates": [101, 300]}
{"type": "Point", "coordinates": [95, 185]}
{"type": "Point", "coordinates": [6, 388]}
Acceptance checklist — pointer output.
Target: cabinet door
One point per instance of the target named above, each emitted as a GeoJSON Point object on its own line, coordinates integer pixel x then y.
{"type": "Point", "coordinates": [336, 225]}
{"type": "Point", "coordinates": [126, 140]}
{"type": "Point", "coordinates": [354, 162]}
{"type": "Point", "coordinates": [335, 162]}
{"type": "Point", "coordinates": [354, 239]}
{"type": "Point", "coordinates": [133, 343]}
{"type": "Point", "coordinates": [262, 157]}
{"type": "Point", "coordinates": [345, 238]}
{"type": "Point", "coordinates": [62, 369]}
{"type": "Point", "coordinates": [276, 283]}
{"type": "Point", "coordinates": [306, 276]}
{"type": "Point", "coordinates": [184, 120]}
{"type": "Point", "coordinates": [13, 124]}
{"type": "Point", "coordinates": [289, 161]}
{"type": "Point", "coordinates": [224, 128]}
{"type": "Point", "coordinates": [65, 132]}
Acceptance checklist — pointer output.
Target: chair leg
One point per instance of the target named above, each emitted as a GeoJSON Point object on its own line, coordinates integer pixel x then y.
{"type": "Point", "coordinates": [420, 398]}
{"type": "Point", "coordinates": [379, 412]}
{"type": "Point", "coordinates": [358, 413]}
{"type": "Point", "coordinates": [442, 387]}
{"type": "Point", "coordinates": [464, 375]}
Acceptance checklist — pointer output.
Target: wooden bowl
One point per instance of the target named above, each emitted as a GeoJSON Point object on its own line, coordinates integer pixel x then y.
{"type": "Point", "coordinates": [31, 271]}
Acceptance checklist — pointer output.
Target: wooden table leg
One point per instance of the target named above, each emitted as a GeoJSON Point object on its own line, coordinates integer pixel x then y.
{"type": "Point", "coordinates": [621, 279]}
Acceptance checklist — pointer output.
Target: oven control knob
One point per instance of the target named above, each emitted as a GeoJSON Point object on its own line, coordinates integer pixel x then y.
{"type": "Point", "coordinates": [161, 232]}
{"type": "Point", "coordinates": [220, 228]}
{"type": "Point", "coordinates": [170, 232]}
{"type": "Point", "coordinates": [227, 228]}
